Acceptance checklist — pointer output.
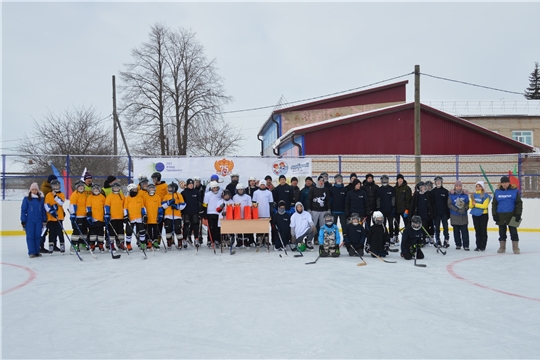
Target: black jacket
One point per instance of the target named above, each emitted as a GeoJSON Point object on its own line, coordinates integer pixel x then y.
{"type": "Point", "coordinates": [319, 199]}
{"type": "Point", "coordinates": [377, 237]}
{"type": "Point", "coordinates": [285, 193]}
{"type": "Point", "coordinates": [403, 197]}
{"type": "Point", "coordinates": [372, 192]}
{"type": "Point", "coordinates": [422, 205]}
{"type": "Point", "coordinates": [193, 200]}
{"type": "Point", "coordinates": [356, 202]}
{"type": "Point", "coordinates": [440, 201]}
{"type": "Point", "coordinates": [355, 235]}
{"type": "Point", "coordinates": [387, 196]}
{"type": "Point", "coordinates": [338, 194]}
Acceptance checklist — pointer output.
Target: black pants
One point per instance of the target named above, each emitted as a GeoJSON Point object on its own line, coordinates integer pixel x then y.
{"type": "Point", "coordinates": [411, 252]}
{"type": "Point", "coordinates": [480, 228]}
{"type": "Point", "coordinates": [444, 220]}
{"type": "Point", "coordinates": [152, 231]}
{"type": "Point", "coordinates": [175, 227]}
{"type": "Point", "coordinates": [96, 231]}
{"type": "Point", "coordinates": [138, 228]}
{"type": "Point", "coordinates": [191, 224]}
{"type": "Point", "coordinates": [116, 229]}
{"type": "Point", "coordinates": [388, 218]}
{"type": "Point", "coordinates": [502, 233]}
{"type": "Point", "coordinates": [213, 228]}
{"type": "Point", "coordinates": [81, 224]}
{"type": "Point", "coordinates": [358, 247]}
{"type": "Point", "coordinates": [55, 232]}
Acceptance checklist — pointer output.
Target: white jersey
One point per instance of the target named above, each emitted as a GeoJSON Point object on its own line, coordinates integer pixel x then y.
{"type": "Point", "coordinates": [222, 215]}
{"type": "Point", "coordinates": [301, 222]}
{"type": "Point", "coordinates": [263, 198]}
{"type": "Point", "coordinates": [243, 200]}
{"type": "Point", "coordinates": [212, 201]}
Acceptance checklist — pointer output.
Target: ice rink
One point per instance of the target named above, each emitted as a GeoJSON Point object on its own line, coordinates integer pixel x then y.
{"type": "Point", "coordinates": [257, 305]}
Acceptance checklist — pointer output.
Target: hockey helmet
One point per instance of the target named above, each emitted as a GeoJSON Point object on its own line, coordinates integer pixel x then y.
{"type": "Point", "coordinates": [235, 175]}
{"type": "Point", "coordinates": [151, 189]}
{"type": "Point", "coordinates": [197, 178]}
{"type": "Point", "coordinates": [116, 187]}
{"type": "Point", "coordinates": [385, 180]}
{"type": "Point", "coordinates": [156, 175]}
{"type": "Point", "coordinates": [239, 188]}
{"type": "Point", "coordinates": [421, 187]}
{"type": "Point", "coordinates": [429, 185]}
{"type": "Point", "coordinates": [55, 185]}
{"type": "Point", "coordinates": [378, 218]}
{"type": "Point", "coordinates": [96, 189]}
{"type": "Point", "coordinates": [132, 188]}
{"type": "Point", "coordinates": [79, 186]}
{"type": "Point", "coordinates": [328, 219]}
{"type": "Point", "coordinates": [438, 179]}
{"type": "Point", "coordinates": [226, 193]}
{"type": "Point", "coordinates": [355, 219]}
{"type": "Point", "coordinates": [338, 179]}
{"type": "Point", "coordinates": [213, 185]}
{"type": "Point", "coordinates": [214, 177]}
{"type": "Point", "coordinates": [143, 180]}
{"type": "Point", "coordinates": [416, 222]}
{"type": "Point", "coordinates": [172, 187]}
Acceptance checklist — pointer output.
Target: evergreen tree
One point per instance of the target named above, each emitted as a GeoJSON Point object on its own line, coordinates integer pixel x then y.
{"type": "Point", "coordinates": [533, 91]}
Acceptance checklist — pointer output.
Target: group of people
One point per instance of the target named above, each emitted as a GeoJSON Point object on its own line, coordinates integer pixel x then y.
{"type": "Point", "coordinates": [369, 214]}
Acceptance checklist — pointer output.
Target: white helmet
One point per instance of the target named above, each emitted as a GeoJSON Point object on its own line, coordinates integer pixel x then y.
{"type": "Point", "coordinates": [252, 178]}
{"type": "Point", "coordinates": [131, 187]}
{"type": "Point", "coordinates": [239, 186]}
{"type": "Point", "coordinates": [197, 178]}
{"type": "Point", "coordinates": [378, 218]}
{"type": "Point", "coordinates": [213, 184]}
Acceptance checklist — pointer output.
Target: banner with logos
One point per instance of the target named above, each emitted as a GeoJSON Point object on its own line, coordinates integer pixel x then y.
{"type": "Point", "coordinates": [176, 169]}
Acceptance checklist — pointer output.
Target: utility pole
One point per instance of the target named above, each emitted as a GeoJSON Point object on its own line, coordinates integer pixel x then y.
{"type": "Point", "coordinates": [115, 126]}
{"type": "Point", "coordinates": [117, 122]}
{"type": "Point", "coordinates": [417, 133]}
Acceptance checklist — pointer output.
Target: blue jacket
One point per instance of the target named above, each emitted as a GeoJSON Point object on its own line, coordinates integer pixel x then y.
{"type": "Point", "coordinates": [329, 230]}
{"type": "Point", "coordinates": [33, 210]}
{"type": "Point", "coordinates": [453, 197]}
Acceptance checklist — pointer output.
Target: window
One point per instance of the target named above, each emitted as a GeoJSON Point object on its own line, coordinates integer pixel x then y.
{"type": "Point", "coordinates": [525, 137]}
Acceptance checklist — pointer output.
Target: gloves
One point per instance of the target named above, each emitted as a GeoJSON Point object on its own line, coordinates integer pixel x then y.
{"type": "Point", "coordinates": [107, 218]}
{"type": "Point", "coordinates": [73, 217]}
{"type": "Point", "coordinates": [145, 219]}
{"type": "Point", "coordinates": [496, 218]}
{"type": "Point", "coordinates": [170, 202]}
{"type": "Point", "coordinates": [23, 225]}
{"type": "Point", "coordinates": [220, 207]}
{"type": "Point", "coordinates": [406, 214]}
{"type": "Point", "coordinates": [518, 218]}
{"type": "Point", "coordinates": [53, 213]}
{"type": "Point", "coordinates": [89, 219]}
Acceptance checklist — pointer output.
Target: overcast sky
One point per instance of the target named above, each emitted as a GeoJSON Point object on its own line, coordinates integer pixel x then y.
{"type": "Point", "coordinates": [60, 55]}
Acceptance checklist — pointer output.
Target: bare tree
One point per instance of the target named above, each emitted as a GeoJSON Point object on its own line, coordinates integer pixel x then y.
{"type": "Point", "coordinates": [171, 90]}
{"type": "Point", "coordinates": [77, 131]}
{"type": "Point", "coordinates": [215, 139]}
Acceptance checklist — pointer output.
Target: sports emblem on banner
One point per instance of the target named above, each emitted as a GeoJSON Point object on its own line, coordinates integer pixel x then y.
{"type": "Point", "coordinates": [224, 166]}
{"type": "Point", "coordinates": [280, 167]}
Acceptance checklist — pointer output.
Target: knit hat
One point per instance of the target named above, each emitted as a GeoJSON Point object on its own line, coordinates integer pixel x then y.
{"type": "Point", "coordinates": [281, 203]}
{"type": "Point", "coordinates": [109, 180]}
{"type": "Point", "coordinates": [355, 181]}
{"type": "Point", "coordinates": [399, 176]}
{"type": "Point", "coordinates": [294, 178]}
{"type": "Point", "coordinates": [458, 183]}
{"type": "Point", "coordinates": [282, 177]}
{"type": "Point", "coordinates": [309, 178]}
{"type": "Point", "coordinates": [34, 186]}
{"type": "Point", "coordinates": [369, 175]}
{"type": "Point", "coordinates": [481, 183]}
{"type": "Point", "coordinates": [189, 181]}
{"type": "Point", "coordinates": [87, 175]}
{"type": "Point", "coordinates": [268, 177]}
{"type": "Point", "coordinates": [51, 178]}
{"type": "Point", "coordinates": [353, 175]}
{"type": "Point", "coordinates": [505, 179]}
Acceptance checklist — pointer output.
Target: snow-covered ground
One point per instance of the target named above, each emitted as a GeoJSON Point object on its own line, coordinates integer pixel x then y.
{"type": "Point", "coordinates": [257, 305]}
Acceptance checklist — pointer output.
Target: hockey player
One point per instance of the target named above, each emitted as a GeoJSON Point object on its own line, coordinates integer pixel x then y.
{"type": "Point", "coordinates": [430, 228]}
{"type": "Point", "coordinates": [372, 204]}
{"type": "Point", "coordinates": [134, 213]}
{"type": "Point", "coordinates": [45, 189]}
{"type": "Point", "coordinates": [77, 208]}
{"type": "Point", "coordinates": [329, 238]}
{"type": "Point", "coordinates": [302, 229]}
{"type": "Point", "coordinates": [114, 215]}
{"type": "Point", "coordinates": [411, 241]}
{"type": "Point", "coordinates": [232, 185]}
{"type": "Point", "coordinates": [161, 186]}
{"type": "Point", "coordinates": [95, 216]}
{"type": "Point", "coordinates": [243, 200]}
{"type": "Point", "coordinates": [378, 238]}
{"type": "Point", "coordinates": [304, 193]}
{"type": "Point", "coordinates": [337, 202]}
{"type": "Point", "coordinates": [225, 206]}
{"type": "Point", "coordinates": [154, 216]}
{"type": "Point", "coordinates": [54, 202]}
{"type": "Point", "coordinates": [458, 203]}
{"type": "Point", "coordinates": [193, 200]}
{"type": "Point", "coordinates": [403, 201]}
{"type": "Point", "coordinates": [319, 202]}
{"type": "Point", "coordinates": [212, 199]}
{"type": "Point", "coordinates": [281, 226]}
{"type": "Point", "coordinates": [355, 236]}
{"type": "Point", "coordinates": [143, 185]}
{"type": "Point", "coordinates": [422, 206]}
{"type": "Point", "coordinates": [355, 200]}
{"type": "Point", "coordinates": [173, 203]}
{"type": "Point", "coordinates": [441, 211]}
{"type": "Point", "coordinates": [252, 186]}
{"type": "Point", "coordinates": [284, 192]}
{"type": "Point", "coordinates": [265, 202]}
{"type": "Point", "coordinates": [387, 196]}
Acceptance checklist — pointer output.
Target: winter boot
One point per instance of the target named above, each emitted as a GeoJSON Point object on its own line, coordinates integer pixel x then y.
{"type": "Point", "coordinates": [101, 248]}
{"type": "Point", "coordinates": [515, 247]}
{"type": "Point", "coordinates": [129, 248]}
{"type": "Point", "coordinates": [502, 248]}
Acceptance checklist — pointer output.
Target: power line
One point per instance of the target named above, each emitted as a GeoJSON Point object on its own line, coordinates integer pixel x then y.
{"type": "Point", "coordinates": [317, 97]}
{"type": "Point", "coordinates": [466, 83]}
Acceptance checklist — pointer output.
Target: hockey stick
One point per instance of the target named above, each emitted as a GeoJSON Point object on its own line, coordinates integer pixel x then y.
{"type": "Point", "coordinates": [380, 258]}
{"type": "Point", "coordinates": [133, 231]}
{"type": "Point", "coordinates": [415, 264]}
{"type": "Point", "coordinates": [84, 239]}
{"type": "Point", "coordinates": [70, 243]}
{"type": "Point", "coordinates": [439, 248]}
{"type": "Point", "coordinates": [313, 262]}
{"type": "Point", "coordinates": [209, 233]}
{"type": "Point", "coordinates": [282, 244]}
{"type": "Point", "coordinates": [118, 237]}
{"type": "Point", "coordinates": [357, 254]}
{"type": "Point", "coordinates": [110, 243]}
